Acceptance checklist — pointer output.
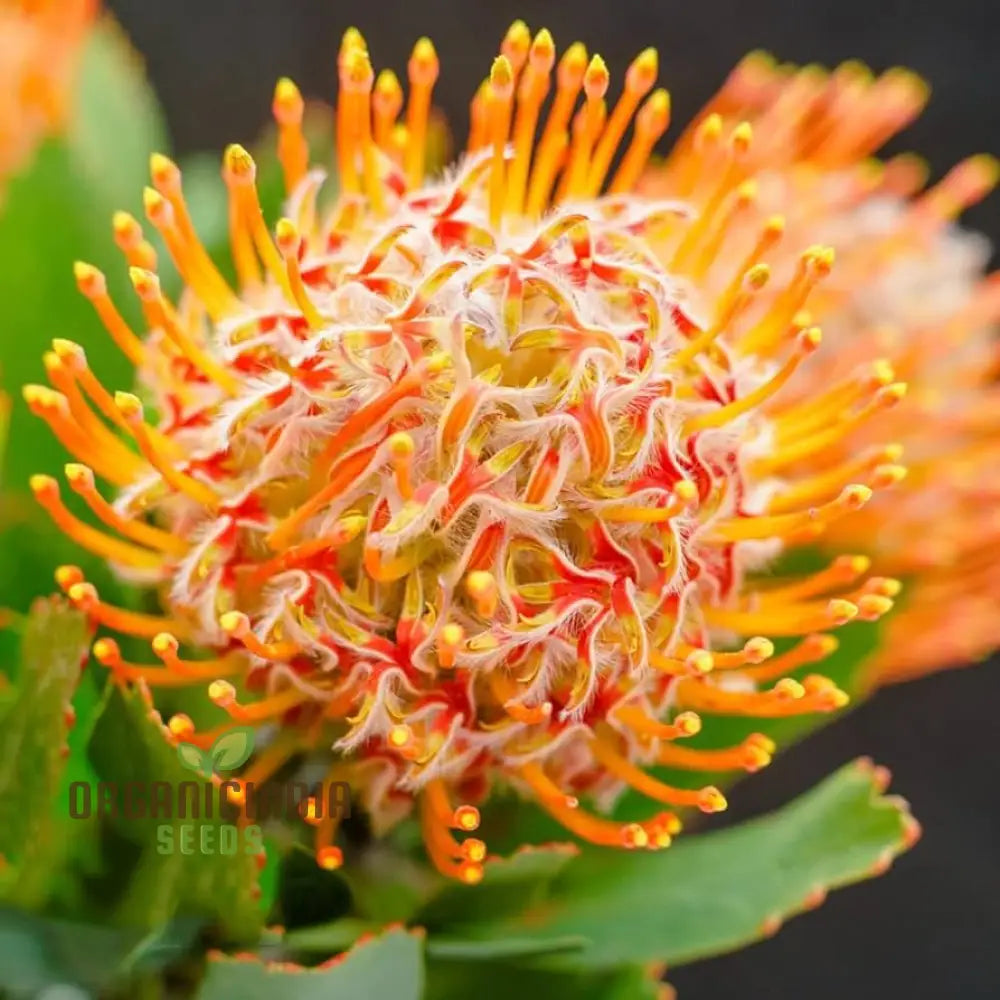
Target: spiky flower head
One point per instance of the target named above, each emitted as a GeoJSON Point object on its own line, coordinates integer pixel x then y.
{"type": "Point", "coordinates": [464, 478]}
{"type": "Point", "coordinates": [39, 45]}
{"type": "Point", "coordinates": [908, 291]}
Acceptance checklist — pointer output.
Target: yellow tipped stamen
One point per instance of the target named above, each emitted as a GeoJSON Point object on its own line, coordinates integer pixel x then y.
{"type": "Point", "coordinates": [74, 358]}
{"type": "Point", "coordinates": [240, 172]}
{"type": "Point", "coordinates": [586, 128]}
{"type": "Point", "coordinates": [347, 139]}
{"type": "Point", "coordinates": [755, 650]}
{"type": "Point", "coordinates": [842, 572]}
{"type": "Point", "coordinates": [482, 588]}
{"type": "Point", "coordinates": [555, 137]}
{"type": "Point", "coordinates": [830, 481]}
{"type": "Point", "coordinates": [237, 625]}
{"type": "Point", "coordinates": [500, 99]}
{"type": "Point", "coordinates": [293, 150]}
{"type": "Point", "coordinates": [356, 80]}
{"type": "Point", "coordinates": [708, 799]}
{"type": "Point", "coordinates": [851, 498]}
{"type": "Point", "coordinates": [450, 641]}
{"type": "Point", "coordinates": [180, 726]}
{"type": "Point", "coordinates": [699, 231]}
{"type": "Point", "coordinates": [401, 448]}
{"type": "Point", "coordinates": [221, 693]}
{"type": "Point", "coordinates": [784, 620]}
{"type": "Point", "coordinates": [696, 663]}
{"type": "Point", "coordinates": [651, 122]}
{"type": "Point", "coordinates": [387, 102]}
{"type": "Point", "coordinates": [81, 480]}
{"type": "Point", "coordinates": [750, 283]}
{"type": "Point", "coordinates": [446, 853]}
{"type": "Point", "coordinates": [788, 697]}
{"type": "Point", "coordinates": [811, 649]}
{"type": "Point", "coordinates": [129, 237]}
{"type": "Point", "coordinates": [532, 90]}
{"type": "Point", "coordinates": [684, 725]}
{"type": "Point", "coordinates": [272, 707]}
{"type": "Point", "coordinates": [160, 315]}
{"type": "Point", "coordinates": [814, 265]}
{"type": "Point", "coordinates": [700, 151]}
{"type": "Point", "coordinates": [92, 284]}
{"type": "Point", "coordinates": [742, 198]}
{"type": "Point", "coordinates": [165, 646]}
{"type": "Point", "coordinates": [68, 576]}
{"type": "Point", "coordinates": [289, 244]}
{"type": "Point", "coordinates": [400, 737]}
{"type": "Point", "coordinates": [808, 342]}
{"type": "Point", "coordinates": [167, 210]}
{"type": "Point", "coordinates": [594, 829]}
{"type": "Point", "coordinates": [107, 653]}
{"type": "Point", "coordinates": [84, 597]}
{"type": "Point", "coordinates": [965, 184]}
{"type": "Point", "coordinates": [516, 45]}
{"type": "Point", "coordinates": [871, 607]}
{"type": "Point", "coordinates": [813, 445]}
{"type": "Point", "coordinates": [753, 754]}
{"type": "Point", "coordinates": [479, 118]}
{"type": "Point", "coordinates": [330, 857]}
{"type": "Point", "coordinates": [770, 236]}
{"type": "Point", "coordinates": [817, 413]}
{"type": "Point", "coordinates": [53, 408]}
{"type": "Point", "coordinates": [131, 410]}
{"type": "Point", "coordinates": [639, 81]}
{"type": "Point", "coordinates": [422, 70]}
{"type": "Point", "coordinates": [465, 818]}
{"type": "Point", "coordinates": [62, 376]}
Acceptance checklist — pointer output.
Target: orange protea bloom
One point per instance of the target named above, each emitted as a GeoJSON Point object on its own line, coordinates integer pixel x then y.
{"type": "Point", "coordinates": [461, 478]}
{"type": "Point", "coordinates": [39, 44]}
{"type": "Point", "coordinates": [909, 290]}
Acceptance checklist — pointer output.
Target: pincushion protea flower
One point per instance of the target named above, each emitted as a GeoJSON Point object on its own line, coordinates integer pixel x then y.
{"type": "Point", "coordinates": [908, 290]}
{"type": "Point", "coordinates": [39, 44]}
{"type": "Point", "coordinates": [461, 478]}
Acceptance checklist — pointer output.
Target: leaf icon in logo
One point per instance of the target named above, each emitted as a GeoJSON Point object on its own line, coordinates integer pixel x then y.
{"type": "Point", "coordinates": [232, 749]}
{"type": "Point", "coordinates": [194, 758]}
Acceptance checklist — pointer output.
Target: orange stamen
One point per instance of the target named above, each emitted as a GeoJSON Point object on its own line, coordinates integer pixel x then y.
{"type": "Point", "coordinates": [422, 71]}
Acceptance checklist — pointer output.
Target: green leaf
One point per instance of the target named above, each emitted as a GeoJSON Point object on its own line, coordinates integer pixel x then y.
{"type": "Point", "coordinates": [39, 952]}
{"type": "Point", "coordinates": [501, 980]}
{"type": "Point", "coordinates": [54, 212]}
{"type": "Point", "coordinates": [33, 752]}
{"type": "Point", "coordinates": [116, 121]}
{"type": "Point", "coordinates": [719, 891]}
{"type": "Point", "coordinates": [328, 938]}
{"type": "Point", "coordinates": [387, 968]}
{"type": "Point", "coordinates": [507, 887]}
{"type": "Point", "coordinates": [497, 949]}
{"type": "Point", "coordinates": [194, 758]}
{"type": "Point", "coordinates": [232, 749]}
{"type": "Point", "coordinates": [182, 870]}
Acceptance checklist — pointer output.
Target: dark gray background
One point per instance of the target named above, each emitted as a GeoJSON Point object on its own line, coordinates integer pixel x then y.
{"type": "Point", "coordinates": [928, 929]}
